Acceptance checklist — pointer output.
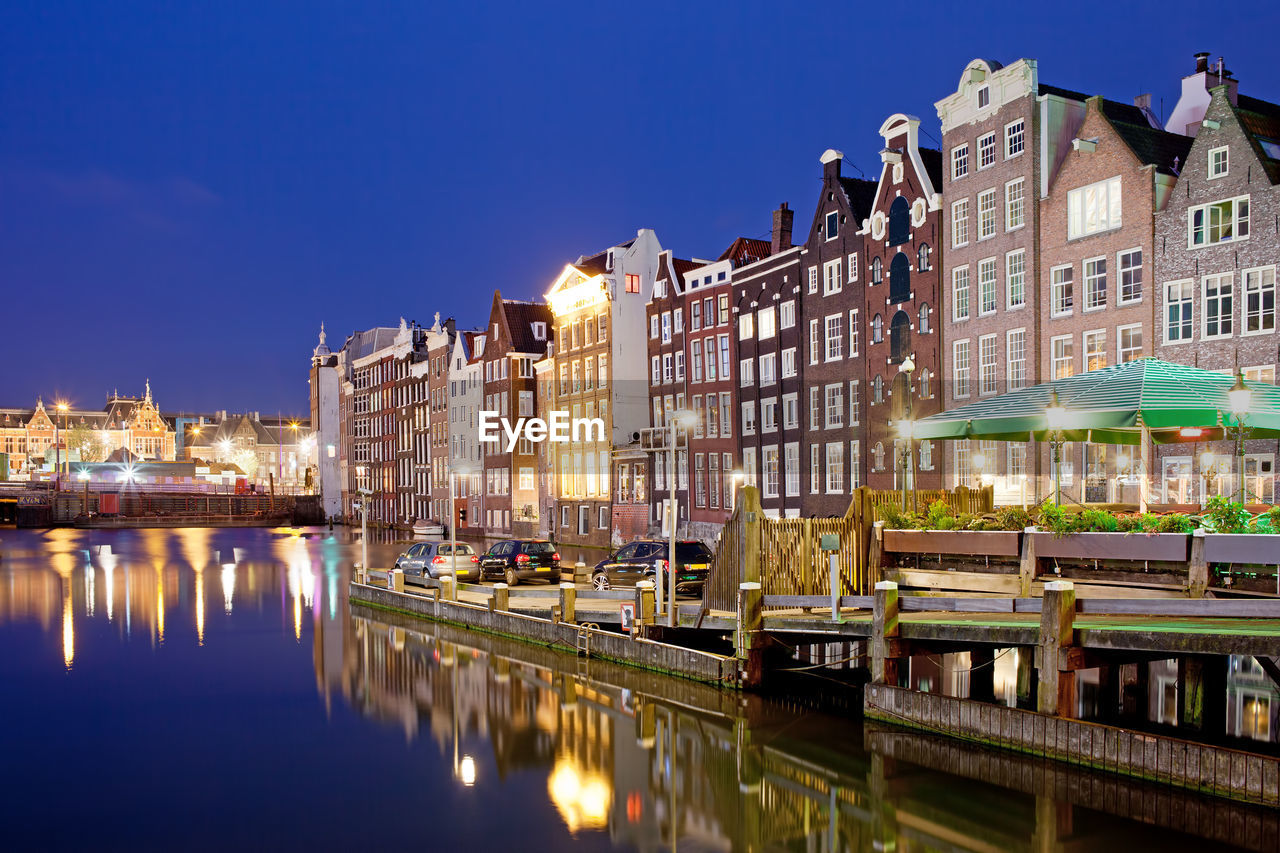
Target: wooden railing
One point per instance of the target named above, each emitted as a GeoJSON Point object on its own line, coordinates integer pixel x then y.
{"type": "Point", "coordinates": [785, 554]}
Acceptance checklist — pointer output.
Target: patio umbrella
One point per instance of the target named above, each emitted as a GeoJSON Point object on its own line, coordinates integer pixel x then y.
{"type": "Point", "coordinates": [1114, 405]}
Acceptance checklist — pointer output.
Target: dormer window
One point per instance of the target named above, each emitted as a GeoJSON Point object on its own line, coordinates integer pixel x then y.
{"type": "Point", "coordinates": [833, 225]}
{"type": "Point", "coordinates": [984, 97]}
{"type": "Point", "coordinates": [539, 331]}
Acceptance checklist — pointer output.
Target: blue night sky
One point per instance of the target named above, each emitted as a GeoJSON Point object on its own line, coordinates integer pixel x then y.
{"type": "Point", "coordinates": [188, 189]}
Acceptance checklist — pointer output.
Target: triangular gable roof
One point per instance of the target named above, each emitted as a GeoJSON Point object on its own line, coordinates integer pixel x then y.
{"type": "Point", "coordinates": [519, 317]}
{"type": "Point", "coordinates": [901, 133]}
{"type": "Point", "coordinates": [746, 250]}
{"type": "Point", "coordinates": [1152, 146]}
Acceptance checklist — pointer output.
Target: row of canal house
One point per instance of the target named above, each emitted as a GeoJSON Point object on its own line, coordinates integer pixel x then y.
{"type": "Point", "coordinates": [1053, 233]}
{"type": "Point", "coordinates": [1139, 240]}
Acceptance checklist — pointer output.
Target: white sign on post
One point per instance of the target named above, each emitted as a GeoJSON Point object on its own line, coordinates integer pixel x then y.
{"type": "Point", "coordinates": [628, 616]}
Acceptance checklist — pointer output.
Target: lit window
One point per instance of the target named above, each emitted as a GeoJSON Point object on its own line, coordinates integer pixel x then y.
{"type": "Point", "coordinates": [1063, 356]}
{"type": "Point", "coordinates": [1061, 282]}
{"type": "Point", "coordinates": [1259, 301]}
{"type": "Point", "coordinates": [1129, 343]}
{"type": "Point", "coordinates": [633, 283]}
{"type": "Point", "coordinates": [1014, 138]}
{"type": "Point", "coordinates": [986, 150]}
{"type": "Point", "coordinates": [1095, 350]}
{"type": "Point", "coordinates": [959, 161]}
{"type": "Point", "coordinates": [1095, 283]}
{"type": "Point", "coordinates": [1220, 222]}
{"type": "Point", "coordinates": [1129, 265]}
{"type": "Point", "coordinates": [1093, 209]}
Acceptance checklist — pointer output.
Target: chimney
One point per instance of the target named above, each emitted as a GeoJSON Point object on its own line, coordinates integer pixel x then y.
{"type": "Point", "coordinates": [1143, 102]}
{"type": "Point", "coordinates": [831, 163]}
{"type": "Point", "coordinates": [782, 219]}
{"type": "Point", "coordinates": [1202, 62]}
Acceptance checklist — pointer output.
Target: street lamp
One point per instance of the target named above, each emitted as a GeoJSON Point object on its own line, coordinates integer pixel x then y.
{"type": "Point", "coordinates": [57, 447]}
{"type": "Point", "coordinates": [686, 419]}
{"type": "Point", "coordinates": [1239, 398]}
{"type": "Point", "coordinates": [1208, 470]}
{"type": "Point", "coordinates": [737, 477]}
{"type": "Point", "coordinates": [1055, 417]}
{"type": "Point", "coordinates": [906, 431]}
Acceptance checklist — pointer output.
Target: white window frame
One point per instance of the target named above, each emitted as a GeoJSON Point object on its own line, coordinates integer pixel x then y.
{"type": "Point", "coordinates": [1218, 299]}
{"type": "Point", "coordinates": [1210, 170]}
{"type": "Point", "coordinates": [787, 314]}
{"type": "Point", "coordinates": [1120, 274]}
{"type": "Point", "coordinates": [1009, 279]}
{"type": "Point", "coordinates": [987, 287]}
{"type": "Point", "coordinates": [831, 283]}
{"type": "Point", "coordinates": [1015, 359]}
{"type": "Point", "coordinates": [1088, 279]}
{"type": "Point", "coordinates": [1262, 289]}
{"type": "Point", "coordinates": [1187, 304]}
{"type": "Point", "coordinates": [988, 364]}
{"type": "Point", "coordinates": [1120, 347]}
{"type": "Point", "coordinates": [1054, 301]}
{"type": "Point", "coordinates": [1093, 342]}
{"type": "Point", "coordinates": [987, 215]}
{"type": "Point", "coordinates": [1015, 204]}
{"type": "Point", "coordinates": [1237, 220]}
{"type": "Point", "coordinates": [1067, 358]}
{"type": "Point", "coordinates": [813, 279]}
{"type": "Point", "coordinates": [959, 161]}
{"type": "Point", "coordinates": [959, 223]}
{"type": "Point", "coordinates": [835, 468]}
{"type": "Point", "coordinates": [960, 376]}
{"type": "Point", "coordinates": [986, 145]}
{"type": "Point", "coordinates": [1109, 216]}
{"type": "Point", "coordinates": [1020, 127]}
{"type": "Point", "coordinates": [833, 343]}
{"type": "Point", "coordinates": [956, 290]}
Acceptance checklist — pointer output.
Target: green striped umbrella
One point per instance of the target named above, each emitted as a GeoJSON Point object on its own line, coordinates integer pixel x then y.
{"type": "Point", "coordinates": [1113, 406]}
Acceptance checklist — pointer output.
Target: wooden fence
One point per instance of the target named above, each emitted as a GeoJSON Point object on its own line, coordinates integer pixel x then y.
{"type": "Point", "coordinates": [785, 556]}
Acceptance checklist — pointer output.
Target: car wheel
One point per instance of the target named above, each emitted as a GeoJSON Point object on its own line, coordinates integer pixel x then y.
{"type": "Point", "coordinates": [511, 578]}
{"type": "Point", "coordinates": [600, 581]}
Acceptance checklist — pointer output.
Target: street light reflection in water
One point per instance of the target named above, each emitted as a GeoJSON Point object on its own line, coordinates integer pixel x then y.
{"type": "Point", "coordinates": [492, 742]}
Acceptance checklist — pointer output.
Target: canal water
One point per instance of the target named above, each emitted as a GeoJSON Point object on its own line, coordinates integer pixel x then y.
{"type": "Point", "coordinates": [212, 689]}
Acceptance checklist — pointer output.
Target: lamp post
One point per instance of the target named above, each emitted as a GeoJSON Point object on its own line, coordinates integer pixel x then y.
{"type": "Point", "coordinates": [906, 430]}
{"type": "Point", "coordinates": [684, 418]}
{"type": "Point", "coordinates": [1239, 397]}
{"type": "Point", "coordinates": [1208, 470]}
{"type": "Point", "coordinates": [1054, 416]}
{"type": "Point", "coordinates": [979, 467]}
{"type": "Point", "coordinates": [57, 447]}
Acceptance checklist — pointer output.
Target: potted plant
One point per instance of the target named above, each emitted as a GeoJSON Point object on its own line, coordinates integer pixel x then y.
{"type": "Point", "coordinates": [1096, 535]}
{"type": "Point", "coordinates": [941, 531]}
{"type": "Point", "coordinates": [1232, 535]}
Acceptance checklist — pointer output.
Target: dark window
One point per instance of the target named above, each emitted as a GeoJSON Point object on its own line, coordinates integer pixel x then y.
{"type": "Point", "coordinates": [924, 257]}
{"type": "Point", "coordinates": [627, 552]}
{"type": "Point", "coordinates": [833, 228]}
{"type": "Point", "coordinates": [877, 271]}
{"type": "Point", "coordinates": [899, 278]}
{"type": "Point", "coordinates": [537, 548]}
{"type": "Point", "coordinates": [900, 337]}
{"type": "Point", "coordinates": [899, 222]}
{"type": "Point", "coordinates": [693, 552]}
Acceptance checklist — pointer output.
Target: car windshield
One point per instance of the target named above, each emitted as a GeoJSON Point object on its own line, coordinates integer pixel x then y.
{"type": "Point", "coordinates": [692, 552]}
{"type": "Point", "coordinates": [465, 549]}
{"type": "Point", "coordinates": [538, 548]}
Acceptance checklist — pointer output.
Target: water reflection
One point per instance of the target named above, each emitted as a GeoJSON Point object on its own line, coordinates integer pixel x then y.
{"type": "Point", "coordinates": [606, 754]}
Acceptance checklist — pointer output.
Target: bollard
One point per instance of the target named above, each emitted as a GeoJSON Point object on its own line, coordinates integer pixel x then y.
{"type": "Point", "coordinates": [448, 589]}
{"type": "Point", "coordinates": [644, 606]}
{"type": "Point", "coordinates": [501, 597]}
{"type": "Point", "coordinates": [1056, 693]}
{"type": "Point", "coordinates": [884, 633]}
{"type": "Point", "coordinates": [580, 572]}
{"type": "Point", "coordinates": [568, 601]}
{"type": "Point", "coordinates": [1198, 570]}
{"type": "Point", "coordinates": [396, 578]}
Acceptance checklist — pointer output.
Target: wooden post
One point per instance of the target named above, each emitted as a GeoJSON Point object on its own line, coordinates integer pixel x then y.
{"type": "Point", "coordinates": [809, 578]}
{"type": "Point", "coordinates": [751, 512]}
{"type": "Point", "coordinates": [1202, 693]}
{"type": "Point", "coordinates": [1057, 691]}
{"type": "Point", "coordinates": [1027, 565]}
{"type": "Point", "coordinates": [397, 580]}
{"type": "Point", "coordinates": [448, 589]}
{"type": "Point", "coordinates": [568, 602]}
{"type": "Point", "coordinates": [884, 631]}
{"type": "Point", "coordinates": [747, 640]}
{"type": "Point", "coordinates": [1026, 678]}
{"type": "Point", "coordinates": [501, 597]}
{"type": "Point", "coordinates": [1197, 569]}
{"type": "Point", "coordinates": [875, 554]}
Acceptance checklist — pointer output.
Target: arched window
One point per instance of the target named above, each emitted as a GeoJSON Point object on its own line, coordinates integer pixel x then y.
{"type": "Point", "coordinates": [877, 390]}
{"type": "Point", "coordinates": [923, 256]}
{"type": "Point", "coordinates": [877, 329]}
{"type": "Point", "coordinates": [877, 271]}
{"type": "Point", "coordinates": [877, 456]}
{"type": "Point", "coordinates": [925, 391]}
{"type": "Point", "coordinates": [923, 325]}
{"type": "Point", "coordinates": [899, 337]}
{"type": "Point", "coordinates": [899, 221]}
{"type": "Point", "coordinates": [900, 278]}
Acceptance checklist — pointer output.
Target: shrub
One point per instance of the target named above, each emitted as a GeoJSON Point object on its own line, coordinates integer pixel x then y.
{"type": "Point", "coordinates": [940, 516]}
{"type": "Point", "coordinates": [1129, 524]}
{"type": "Point", "coordinates": [897, 519]}
{"type": "Point", "coordinates": [1095, 521]}
{"type": "Point", "coordinates": [1174, 522]}
{"type": "Point", "coordinates": [1223, 515]}
{"type": "Point", "coordinates": [1054, 519]}
{"type": "Point", "coordinates": [1012, 518]}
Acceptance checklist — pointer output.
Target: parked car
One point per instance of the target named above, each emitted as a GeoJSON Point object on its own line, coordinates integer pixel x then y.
{"type": "Point", "coordinates": [636, 561]}
{"type": "Point", "coordinates": [435, 559]}
{"type": "Point", "coordinates": [514, 560]}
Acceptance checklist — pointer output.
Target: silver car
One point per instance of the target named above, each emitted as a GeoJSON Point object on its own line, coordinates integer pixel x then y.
{"type": "Point", "coordinates": [436, 559]}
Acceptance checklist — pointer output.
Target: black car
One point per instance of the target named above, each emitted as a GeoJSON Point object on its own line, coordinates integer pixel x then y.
{"type": "Point", "coordinates": [637, 561]}
{"type": "Point", "coordinates": [514, 560]}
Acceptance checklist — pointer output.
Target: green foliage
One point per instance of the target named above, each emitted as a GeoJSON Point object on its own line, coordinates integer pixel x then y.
{"type": "Point", "coordinates": [1055, 519]}
{"type": "Point", "coordinates": [1269, 521]}
{"type": "Point", "coordinates": [940, 516]}
{"type": "Point", "coordinates": [1174, 522]}
{"type": "Point", "coordinates": [1226, 516]}
{"type": "Point", "coordinates": [895, 518]}
{"type": "Point", "coordinates": [1012, 518]}
{"type": "Point", "coordinates": [1130, 524]}
{"type": "Point", "coordinates": [1095, 521]}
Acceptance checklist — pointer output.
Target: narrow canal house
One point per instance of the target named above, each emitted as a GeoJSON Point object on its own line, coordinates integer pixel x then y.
{"type": "Point", "coordinates": [668, 393]}
{"type": "Point", "coordinates": [758, 289]}
{"type": "Point", "coordinates": [431, 443]}
{"type": "Point", "coordinates": [900, 267]}
{"type": "Point", "coordinates": [1216, 251]}
{"type": "Point", "coordinates": [820, 372]}
{"type": "Point", "coordinates": [713, 383]}
{"type": "Point", "coordinates": [1096, 249]}
{"type": "Point", "coordinates": [1004, 133]}
{"type": "Point", "coordinates": [517, 336]}
{"type": "Point", "coordinates": [464, 460]}
{"type": "Point", "coordinates": [598, 306]}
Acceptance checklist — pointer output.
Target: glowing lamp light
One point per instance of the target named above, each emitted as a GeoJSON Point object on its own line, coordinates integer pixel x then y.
{"type": "Point", "coordinates": [1055, 415]}
{"type": "Point", "coordinates": [467, 771]}
{"type": "Point", "coordinates": [1191, 432]}
{"type": "Point", "coordinates": [906, 428]}
{"type": "Point", "coordinates": [1240, 397]}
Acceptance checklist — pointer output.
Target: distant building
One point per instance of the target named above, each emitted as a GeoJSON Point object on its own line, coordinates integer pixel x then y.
{"type": "Point", "coordinates": [464, 461]}
{"type": "Point", "coordinates": [28, 436]}
{"type": "Point", "coordinates": [271, 453]}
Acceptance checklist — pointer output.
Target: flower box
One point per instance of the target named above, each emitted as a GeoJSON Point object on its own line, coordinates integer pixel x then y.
{"type": "Point", "coordinates": [1263, 548]}
{"type": "Point", "coordinates": [979, 543]}
{"type": "Point", "coordinates": [1166, 547]}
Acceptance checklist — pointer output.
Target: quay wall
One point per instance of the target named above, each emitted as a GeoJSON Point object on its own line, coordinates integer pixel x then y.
{"type": "Point", "coordinates": [636, 652]}
{"type": "Point", "coordinates": [1206, 769]}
